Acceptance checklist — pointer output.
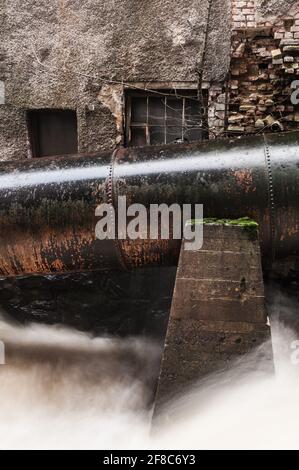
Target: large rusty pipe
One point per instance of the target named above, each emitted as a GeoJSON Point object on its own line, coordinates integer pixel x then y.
{"type": "Point", "coordinates": [47, 206]}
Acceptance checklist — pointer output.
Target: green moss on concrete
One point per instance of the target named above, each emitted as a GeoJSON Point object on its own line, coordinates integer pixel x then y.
{"type": "Point", "coordinates": [245, 222]}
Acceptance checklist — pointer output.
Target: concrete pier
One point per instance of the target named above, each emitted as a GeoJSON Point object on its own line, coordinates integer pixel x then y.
{"type": "Point", "coordinates": [218, 311]}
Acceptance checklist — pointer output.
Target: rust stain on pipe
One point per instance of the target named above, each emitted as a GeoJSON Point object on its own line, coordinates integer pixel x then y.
{"type": "Point", "coordinates": [47, 206]}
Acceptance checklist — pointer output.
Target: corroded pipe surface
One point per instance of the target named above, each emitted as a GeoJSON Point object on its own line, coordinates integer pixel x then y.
{"type": "Point", "coordinates": [47, 206]}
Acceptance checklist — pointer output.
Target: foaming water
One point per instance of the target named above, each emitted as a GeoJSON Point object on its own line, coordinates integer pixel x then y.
{"type": "Point", "coordinates": [237, 411]}
{"type": "Point", "coordinates": [62, 389]}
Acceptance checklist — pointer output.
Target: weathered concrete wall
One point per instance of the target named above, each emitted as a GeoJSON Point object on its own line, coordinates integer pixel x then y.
{"type": "Point", "coordinates": [218, 311]}
{"type": "Point", "coordinates": [60, 53]}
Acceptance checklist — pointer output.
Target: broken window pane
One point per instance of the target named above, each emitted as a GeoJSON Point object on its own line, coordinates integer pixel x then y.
{"type": "Point", "coordinates": [174, 111]}
{"type": "Point", "coordinates": [156, 111]}
{"type": "Point", "coordinates": [157, 135]}
{"type": "Point", "coordinates": [174, 135]}
{"type": "Point", "coordinates": [192, 134]}
{"type": "Point", "coordinates": [193, 122]}
{"type": "Point", "coordinates": [138, 136]}
{"type": "Point", "coordinates": [139, 110]}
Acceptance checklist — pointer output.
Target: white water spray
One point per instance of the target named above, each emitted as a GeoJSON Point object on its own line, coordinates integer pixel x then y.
{"type": "Point", "coordinates": [62, 389]}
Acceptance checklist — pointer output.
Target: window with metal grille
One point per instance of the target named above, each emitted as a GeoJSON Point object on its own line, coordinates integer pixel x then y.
{"type": "Point", "coordinates": [153, 119]}
{"type": "Point", "coordinates": [52, 132]}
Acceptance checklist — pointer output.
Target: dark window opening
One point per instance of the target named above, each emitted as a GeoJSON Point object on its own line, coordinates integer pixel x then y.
{"type": "Point", "coordinates": [52, 132]}
{"type": "Point", "coordinates": [155, 119]}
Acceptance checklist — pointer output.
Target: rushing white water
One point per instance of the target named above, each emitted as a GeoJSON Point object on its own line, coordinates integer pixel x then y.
{"type": "Point", "coordinates": [64, 389]}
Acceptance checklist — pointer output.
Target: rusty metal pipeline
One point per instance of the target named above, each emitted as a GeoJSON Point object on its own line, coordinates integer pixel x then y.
{"type": "Point", "coordinates": [47, 206]}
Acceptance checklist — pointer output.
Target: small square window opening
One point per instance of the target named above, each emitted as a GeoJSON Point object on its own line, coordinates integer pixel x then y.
{"type": "Point", "coordinates": [52, 132]}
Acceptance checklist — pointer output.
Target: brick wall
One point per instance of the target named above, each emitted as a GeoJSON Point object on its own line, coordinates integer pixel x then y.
{"type": "Point", "coordinates": [243, 14]}
{"type": "Point", "coordinates": [216, 110]}
{"type": "Point", "coordinates": [265, 61]}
